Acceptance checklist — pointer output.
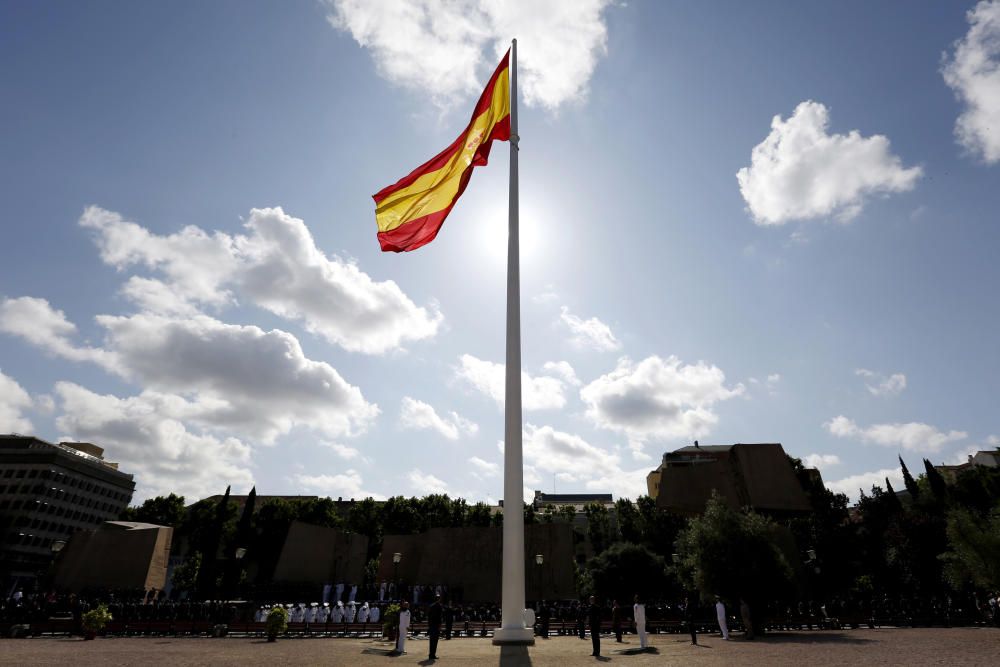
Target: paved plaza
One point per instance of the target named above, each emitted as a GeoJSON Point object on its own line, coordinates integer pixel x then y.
{"type": "Point", "coordinates": [922, 646]}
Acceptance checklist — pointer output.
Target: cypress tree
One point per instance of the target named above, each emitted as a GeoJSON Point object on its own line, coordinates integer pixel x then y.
{"type": "Point", "coordinates": [911, 484]}
{"type": "Point", "coordinates": [210, 550]}
{"type": "Point", "coordinates": [893, 499]}
{"type": "Point", "coordinates": [938, 486]}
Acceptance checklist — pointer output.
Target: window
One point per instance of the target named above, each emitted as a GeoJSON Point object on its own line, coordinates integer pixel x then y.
{"type": "Point", "coordinates": [8, 473]}
{"type": "Point", "coordinates": [32, 474]}
{"type": "Point", "coordinates": [20, 473]}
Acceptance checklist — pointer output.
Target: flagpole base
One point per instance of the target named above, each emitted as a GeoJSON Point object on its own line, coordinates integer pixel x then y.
{"type": "Point", "coordinates": [514, 636]}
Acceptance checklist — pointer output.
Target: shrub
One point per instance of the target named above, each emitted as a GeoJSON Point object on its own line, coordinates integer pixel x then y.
{"type": "Point", "coordinates": [95, 619]}
{"type": "Point", "coordinates": [277, 621]}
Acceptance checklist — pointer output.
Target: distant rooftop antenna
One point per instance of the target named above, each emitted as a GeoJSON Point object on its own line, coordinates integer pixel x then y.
{"type": "Point", "coordinates": [696, 443]}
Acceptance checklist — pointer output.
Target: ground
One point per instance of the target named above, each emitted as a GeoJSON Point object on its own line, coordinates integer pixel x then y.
{"type": "Point", "coordinates": [889, 646]}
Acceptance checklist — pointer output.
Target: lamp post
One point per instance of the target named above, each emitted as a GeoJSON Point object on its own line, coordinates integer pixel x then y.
{"type": "Point", "coordinates": [539, 560]}
{"type": "Point", "coordinates": [396, 557]}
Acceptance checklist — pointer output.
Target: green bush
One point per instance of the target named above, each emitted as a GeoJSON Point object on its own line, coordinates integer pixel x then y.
{"type": "Point", "coordinates": [277, 621]}
{"type": "Point", "coordinates": [391, 618]}
{"type": "Point", "coordinates": [96, 619]}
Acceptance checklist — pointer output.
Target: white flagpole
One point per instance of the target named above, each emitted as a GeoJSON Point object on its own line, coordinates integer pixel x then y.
{"type": "Point", "coordinates": [512, 629]}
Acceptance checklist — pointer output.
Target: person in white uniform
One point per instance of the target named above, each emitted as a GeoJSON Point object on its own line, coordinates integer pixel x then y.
{"type": "Point", "coordinates": [720, 614]}
{"type": "Point", "coordinates": [338, 613]}
{"type": "Point", "coordinates": [639, 615]}
{"type": "Point", "coordinates": [363, 613]}
{"type": "Point", "coordinates": [298, 613]}
{"type": "Point", "coordinates": [352, 612]}
{"type": "Point", "coordinates": [404, 624]}
{"type": "Point", "coordinates": [375, 614]}
{"type": "Point", "coordinates": [311, 613]}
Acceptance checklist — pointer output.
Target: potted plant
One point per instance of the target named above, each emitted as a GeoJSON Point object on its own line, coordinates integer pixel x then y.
{"type": "Point", "coordinates": [390, 621]}
{"type": "Point", "coordinates": [95, 620]}
{"type": "Point", "coordinates": [277, 622]}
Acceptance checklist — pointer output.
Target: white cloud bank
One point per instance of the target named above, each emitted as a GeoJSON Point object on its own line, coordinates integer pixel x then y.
{"type": "Point", "coordinates": [14, 400]}
{"type": "Point", "coordinates": [800, 171]}
{"type": "Point", "coordinates": [418, 415]}
{"type": "Point", "coordinates": [912, 436]}
{"type": "Point", "coordinates": [821, 460]}
{"type": "Point", "coordinates": [543, 392]}
{"type": "Point", "coordinates": [424, 483]}
{"type": "Point", "coordinates": [276, 266]}
{"type": "Point", "coordinates": [348, 484]}
{"type": "Point", "coordinates": [851, 486]}
{"type": "Point", "coordinates": [882, 385]}
{"type": "Point", "coordinates": [973, 72]}
{"type": "Point", "coordinates": [447, 48]}
{"type": "Point", "coordinates": [591, 333]}
{"type": "Point", "coordinates": [658, 398]}
{"type": "Point", "coordinates": [163, 454]}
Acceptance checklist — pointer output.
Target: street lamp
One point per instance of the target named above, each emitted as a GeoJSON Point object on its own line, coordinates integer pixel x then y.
{"type": "Point", "coordinates": [57, 546]}
{"type": "Point", "coordinates": [240, 553]}
{"type": "Point", "coordinates": [539, 560]}
{"type": "Point", "coordinates": [396, 557]}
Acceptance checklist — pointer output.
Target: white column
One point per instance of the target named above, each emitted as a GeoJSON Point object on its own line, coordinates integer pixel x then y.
{"type": "Point", "coordinates": [512, 629]}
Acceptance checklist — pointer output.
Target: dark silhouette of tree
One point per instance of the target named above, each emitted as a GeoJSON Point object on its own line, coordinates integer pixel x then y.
{"type": "Point", "coordinates": [210, 548]}
{"type": "Point", "coordinates": [911, 484]}
{"type": "Point", "coordinates": [938, 486]}
{"type": "Point", "coordinates": [624, 568]}
{"type": "Point", "coordinates": [161, 511]}
{"type": "Point", "coordinates": [628, 521]}
{"type": "Point", "coordinates": [892, 498]}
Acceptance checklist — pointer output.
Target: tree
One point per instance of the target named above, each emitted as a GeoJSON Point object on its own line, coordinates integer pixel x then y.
{"type": "Point", "coordinates": [479, 515]}
{"type": "Point", "coordinates": [161, 511]}
{"type": "Point", "coordinates": [529, 514]}
{"type": "Point", "coordinates": [568, 513]}
{"type": "Point", "coordinates": [186, 574]}
{"type": "Point", "coordinates": [598, 526]}
{"type": "Point", "coordinates": [628, 521]}
{"type": "Point", "coordinates": [938, 486]}
{"type": "Point", "coordinates": [973, 553]}
{"type": "Point", "coordinates": [210, 547]}
{"type": "Point", "coordinates": [893, 499]}
{"type": "Point", "coordinates": [911, 484]}
{"type": "Point", "coordinates": [625, 569]}
{"type": "Point", "coordinates": [734, 555]}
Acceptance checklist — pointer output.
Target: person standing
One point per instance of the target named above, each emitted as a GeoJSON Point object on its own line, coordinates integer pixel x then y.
{"type": "Point", "coordinates": [639, 616]}
{"type": "Point", "coordinates": [720, 614]}
{"type": "Point", "coordinates": [689, 617]}
{"type": "Point", "coordinates": [404, 624]}
{"type": "Point", "coordinates": [616, 621]}
{"type": "Point", "coordinates": [544, 614]}
{"type": "Point", "coordinates": [594, 621]}
{"type": "Point", "coordinates": [449, 619]}
{"type": "Point", "coordinates": [581, 620]}
{"type": "Point", "coordinates": [747, 621]}
{"type": "Point", "coordinates": [434, 626]}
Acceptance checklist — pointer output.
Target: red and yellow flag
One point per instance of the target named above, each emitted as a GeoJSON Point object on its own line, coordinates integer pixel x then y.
{"type": "Point", "coordinates": [410, 212]}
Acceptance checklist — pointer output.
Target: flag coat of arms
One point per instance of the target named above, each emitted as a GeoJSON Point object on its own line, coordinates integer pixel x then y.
{"type": "Point", "coordinates": [410, 212]}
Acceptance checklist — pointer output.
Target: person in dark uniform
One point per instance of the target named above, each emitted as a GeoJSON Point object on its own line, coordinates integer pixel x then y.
{"type": "Point", "coordinates": [594, 620]}
{"type": "Point", "coordinates": [616, 621]}
{"type": "Point", "coordinates": [543, 619]}
{"type": "Point", "coordinates": [581, 620]}
{"type": "Point", "coordinates": [449, 620]}
{"type": "Point", "coordinates": [689, 617]}
{"type": "Point", "coordinates": [434, 626]}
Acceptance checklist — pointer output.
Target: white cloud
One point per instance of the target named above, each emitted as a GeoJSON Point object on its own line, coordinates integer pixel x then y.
{"type": "Point", "coordinates": [241, 377]}
{"type": "Point", "coordinates": [993, 441]}
{"type": "Point", "coordinates": [547, 295]}
{"type": "Point", "coordinates": [590, 333]}
{"type": "Point", "coordinates": [276, 266]}
{"type": "Point", "coordinates": [13, 401]}
{"type": "Point", "coordinates": [882, 385]}
{"type": "Point", "coordinates": [481, 468]}
{"type": "Point", "coordinates": [563, 370]}
{"type": "Point", "coordinates": [425, 483]}
{"type": "Point", "coordinates": [851, 486]}
{"type": "Point", "coordinates": [801, 171]}
{"type": "Point", "coordinates": [446, 49]}
{"type": "Point", "coordinates": [912, 436]}
{"type": "Point", "coordinates": [537, 393]}
{"type": "Point", "coordinates": [821, 460]}
{"type": "Point", "coordinates": [40, 324]}
{"type": "Point", "coordinates": [348, 484]}
{"type": "Point", "coordinates": [345, 452]}
{"type": "Point", "coordinates": [573, 460]}
{"type": "Point", "coordinates": [657, 398]}
{"type": "Point", "coordinates": [162, 453]}
{"type": "Point", "coordinates": [418, 415]}
{"type": "Point", "coordinates": [973, 72]}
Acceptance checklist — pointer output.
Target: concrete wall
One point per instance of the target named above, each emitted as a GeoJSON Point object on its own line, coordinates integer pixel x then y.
{"type": "Point", "coordinates": [115, 556]}
{"type": "Point", "coordinates": [316, 554]}
{"type": "Point", "coordinates": [470, 559]}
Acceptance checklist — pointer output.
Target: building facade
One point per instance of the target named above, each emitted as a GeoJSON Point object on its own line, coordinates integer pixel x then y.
{"type": "Point", "coordinates": [48, 492]}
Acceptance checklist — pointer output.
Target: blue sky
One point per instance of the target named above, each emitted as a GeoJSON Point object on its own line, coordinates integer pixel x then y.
{"type": "Point", "coordinates": [192, 279]}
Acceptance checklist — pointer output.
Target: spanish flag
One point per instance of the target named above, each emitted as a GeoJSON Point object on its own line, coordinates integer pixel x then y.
{"type": "Point", "coordinates": [410, 212]}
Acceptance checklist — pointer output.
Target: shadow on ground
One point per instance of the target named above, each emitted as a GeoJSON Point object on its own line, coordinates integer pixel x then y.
{"type": "Point", "coordinates": [825, 638]}
{"type": "Point", "coordinates": [514, 656]}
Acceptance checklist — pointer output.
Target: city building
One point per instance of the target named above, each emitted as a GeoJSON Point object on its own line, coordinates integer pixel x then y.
{"type": "Point", "coordinates": [48, 492]}
{"type": "Point", "coordinates": [985, 458]}
{"type": "Point", "coordinates": [577, 500]}
{"type": "Point", "coordinates": [758, 476]}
